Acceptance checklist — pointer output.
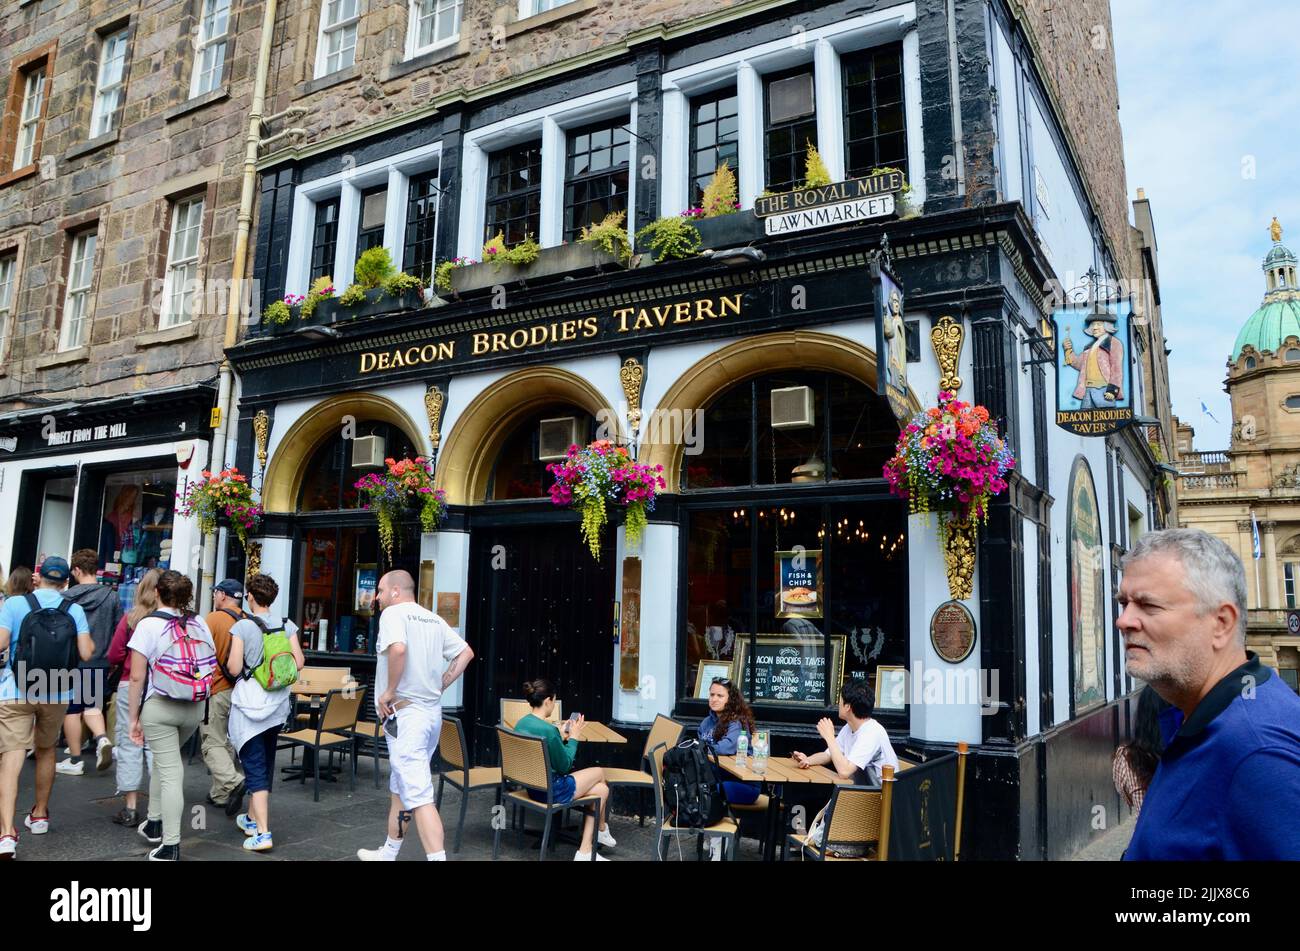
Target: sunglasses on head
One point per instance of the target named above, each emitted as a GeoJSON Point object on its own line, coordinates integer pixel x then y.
{"type": "Point", "coordinates": [723, 681]}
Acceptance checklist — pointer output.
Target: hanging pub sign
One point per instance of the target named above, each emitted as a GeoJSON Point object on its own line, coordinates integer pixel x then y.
{"type": "Point", "coordinates": [891, 340]}
{"type": "Point", "coordinates": [799, 583]}
{"type": "Point", "coordinates": [858, 199]}
{"type": "Point", "coordinates": [1094, 369]}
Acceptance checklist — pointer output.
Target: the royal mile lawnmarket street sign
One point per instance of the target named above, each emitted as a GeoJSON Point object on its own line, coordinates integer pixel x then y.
{"type": "Point", "coordinates": [857, 199]}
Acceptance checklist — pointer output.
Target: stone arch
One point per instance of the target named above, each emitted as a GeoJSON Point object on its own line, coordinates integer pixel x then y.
{"type": "Point", "coordinates": [720, 371]}
{"type": "Point", "coordinates": [469, 451]}
{"type": "Point", "coordinates": [285, 472]}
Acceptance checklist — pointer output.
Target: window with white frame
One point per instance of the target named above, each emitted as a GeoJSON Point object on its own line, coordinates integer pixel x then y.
{"type": "Point", "coordinates": [180, 287]}
{"type": "Point", "coordinates": [8, 279]}
{"type": "Point", "coordinates": [790, 126]}
{"type": "Point", "coordinates": [29, 120]}
{"type": "Point", "coordinates": [529, 8]}
{"type": "Point", "coordinates": [595, 174]}
{"type": "Point", "coordinates": [109, 86]}
{"type": "Point", "coordinates": [715, 124]}
{"type": "Point", "coordinates": [433, 23]}
{"type": "Point", "coordinates": [76, 305]}
{"type": "Point", "coordinates": [514, 193]}
{"type": "Point", "coordinates": [336, 45]}
{"type": "Point", "coordinates": [874, 128]}
{"type": "Point", "coordinates": [420, 242]}
{"type": "Point", "coordinates": [210, 49]}
{"type": "Point", "coordinates": [324, 238]}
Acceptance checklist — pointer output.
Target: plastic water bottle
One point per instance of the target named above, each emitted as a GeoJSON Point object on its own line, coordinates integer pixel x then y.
{"type": "Point", "coordinates": [742, 749]}
{"type": "Point", "coordinates": [760, 752]}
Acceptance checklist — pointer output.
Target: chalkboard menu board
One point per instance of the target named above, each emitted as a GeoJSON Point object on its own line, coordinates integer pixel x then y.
{"type": "Point", "coordinates": [791, 670]}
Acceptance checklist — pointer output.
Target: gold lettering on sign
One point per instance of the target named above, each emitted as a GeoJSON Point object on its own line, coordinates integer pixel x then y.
{"type": "Point", "coordinates": [367, 362]}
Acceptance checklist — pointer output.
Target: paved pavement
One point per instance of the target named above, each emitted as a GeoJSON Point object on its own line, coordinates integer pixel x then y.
{"type": "Point", "coordinates": [1110, 845]}
{"type": "Point", "coordinates": [330, 830]}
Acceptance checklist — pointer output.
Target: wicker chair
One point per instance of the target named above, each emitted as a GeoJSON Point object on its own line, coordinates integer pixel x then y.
{"type": "Point", "coordinates": [332, 732]}
{"type": "Point", "coordinates": [853, 819]}
{"type": "Point", "coordinates": [454, 771]}
{"type": "Point", "coordinates": [662, 731]}
{"type": "Point", "coordinates": [525, 768]}
{"type": "Point", "coordinates": [726, 829]}
{"type": "Point", "coordinates": [513, 710]}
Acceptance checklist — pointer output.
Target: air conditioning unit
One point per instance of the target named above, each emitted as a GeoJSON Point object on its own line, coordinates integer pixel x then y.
{"type": "Point", "coordinates": [792, 408]}
{"type": "Point", "coordinates": [556, 436]}
{"type": "Point", "coordinates": [368, 452]}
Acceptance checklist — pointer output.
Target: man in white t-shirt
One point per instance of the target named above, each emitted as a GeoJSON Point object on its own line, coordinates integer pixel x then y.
{"type": "Point", "coordinates": [862, 743]}
{"type": "Point", "coordinates": [422, 657]}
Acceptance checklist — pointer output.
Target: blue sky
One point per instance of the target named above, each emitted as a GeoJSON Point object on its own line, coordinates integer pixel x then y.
{"type": "Point", "coordinates": [1208, 89]}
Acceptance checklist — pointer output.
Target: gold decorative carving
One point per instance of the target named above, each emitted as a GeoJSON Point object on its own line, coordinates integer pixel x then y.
{"type": "Point", "coordinates": [433, 403]}
{"type": "Point", "coordinates": [262, 429]}
{"type": "Point", "coordinates": [254, 560]}
{"type": "Point", "coordinates": [631, 376]}
{"type": "Point", "coordinates": [959, 557]}
{"type": "Point", "coordinates": [946, 337]}
{"type": "Point", "coordinates": [1275, 229]}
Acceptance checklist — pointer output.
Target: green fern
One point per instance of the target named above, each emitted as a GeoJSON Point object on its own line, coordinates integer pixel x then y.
{"type": "Point", "coordinates": [609, 235]}
{"type": "Point", "coordinates": [671, 239]}
{"type": "Point", "coordinates": [374, 267]}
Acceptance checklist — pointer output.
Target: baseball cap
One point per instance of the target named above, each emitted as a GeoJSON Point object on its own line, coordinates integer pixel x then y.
{"type": "Point", "coordinates": [55, 569]}
{"type": "Point", "coordinates": [232, 587]}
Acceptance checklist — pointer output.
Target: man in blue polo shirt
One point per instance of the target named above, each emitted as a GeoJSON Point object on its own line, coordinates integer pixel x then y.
{"type": "Point", "coordinates": [30, 714]}
{"type": "Point", "coordinates": [1228, 784]}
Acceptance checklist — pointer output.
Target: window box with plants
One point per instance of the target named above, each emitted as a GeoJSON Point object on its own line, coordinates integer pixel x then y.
{"type": "Point", "coordinates": [601, 247]}
{"type": "Point", "coordinates": [379, 289]}
{"type": "Point", "coordinates": [719, 219]}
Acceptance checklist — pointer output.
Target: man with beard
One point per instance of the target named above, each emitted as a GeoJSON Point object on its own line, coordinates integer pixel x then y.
{"type": "Point", "coordinates": [1228, 784]}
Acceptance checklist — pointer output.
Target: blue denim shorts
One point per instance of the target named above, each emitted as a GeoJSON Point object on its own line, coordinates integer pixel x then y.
{"type": "Point", "coordinates": [562, 790]}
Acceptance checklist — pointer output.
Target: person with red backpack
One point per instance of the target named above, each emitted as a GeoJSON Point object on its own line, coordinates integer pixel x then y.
{"type": "Point", "coordinates": [265, 658]}
{"type": "Point", "coordinates": [171, 679]}
{"type": "Point", "coordinates": [44, 638]}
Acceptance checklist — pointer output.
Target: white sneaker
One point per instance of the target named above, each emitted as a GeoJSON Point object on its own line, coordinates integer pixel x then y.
{"type": "Point", "coordinates": [8, 846]}
{"type": "Point", "coordinates": [376, 855]}
{"type": "Point", "coordinates": [586, 857]}
{"type": "Point", "coordinates": [605, 839]}
{"type": "Point", "coordinates": [69, 767]}
{"type": "Point", "coordinates": [103, 754]}
{"type": "Point", "coordinates": [38, 826]}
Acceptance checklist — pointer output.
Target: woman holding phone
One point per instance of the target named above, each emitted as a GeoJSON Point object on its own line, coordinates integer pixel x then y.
{"type": "Point", "coordinates": [562, 748]}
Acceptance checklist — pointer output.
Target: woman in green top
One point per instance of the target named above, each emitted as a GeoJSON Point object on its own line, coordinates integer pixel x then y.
{"type": "Point", "coordinates": [562, 747]}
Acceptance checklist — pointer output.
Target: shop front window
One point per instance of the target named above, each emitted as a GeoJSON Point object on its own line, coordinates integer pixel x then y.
{"type": "Point", "coordinates": [328, 484]}
{"type": "Point", "coordinates": [137, 515]}
{"type": "Point", "coordinates": [791, 592]}
{"type": "Point", "coordinates": [542, 438]}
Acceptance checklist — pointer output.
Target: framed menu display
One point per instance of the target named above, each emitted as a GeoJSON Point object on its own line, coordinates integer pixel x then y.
{"type": "Point", "coordinates": [799, 584]}
{"type": "Point", "coordinates": [789, 669]}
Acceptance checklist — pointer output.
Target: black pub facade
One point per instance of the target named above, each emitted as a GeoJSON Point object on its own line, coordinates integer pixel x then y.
{"type": "Point", "coordinates": [749, 371]}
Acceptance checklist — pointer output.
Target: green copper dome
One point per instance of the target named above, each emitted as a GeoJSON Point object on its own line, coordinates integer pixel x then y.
{"type": "Point", "coordinates": [1269, 326]}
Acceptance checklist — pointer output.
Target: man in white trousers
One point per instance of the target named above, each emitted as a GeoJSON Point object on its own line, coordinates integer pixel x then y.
{"type": "Point", "coordinates": [422, 657]}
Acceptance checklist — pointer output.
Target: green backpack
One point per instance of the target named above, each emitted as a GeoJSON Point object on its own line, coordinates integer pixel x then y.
{"type": "Point", "coordinates": [277, 669]}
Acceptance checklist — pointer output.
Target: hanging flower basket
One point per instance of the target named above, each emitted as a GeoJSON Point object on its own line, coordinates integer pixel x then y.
{"type": "Point", "coordinates": [227, 495]}
{"type": "Point", "coordinates": [591, 479]}
{"type": "Point", "coordinates": [404, 484]}
{"type": "Point", "coordinates": [950, 459]}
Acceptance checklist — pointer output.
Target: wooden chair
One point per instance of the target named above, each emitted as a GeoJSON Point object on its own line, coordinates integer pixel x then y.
{"type": "Point", "coordinates": [513, 710]}
{"type": "Point", "coordinates": [726, 829]}
{"type": "Point", "coordinates": [853, 819]}
{"type": "Point", "coordinates": [663, 731]}
{"type": "Point", "coordinates": [328, 678]}
{"type": "Point", "coordinates": [368, 734]}
{"type": "Point", "coordinates": [525, 768]}
{"type": "Point", "coordinates": [454, 770]}
{"type": "Point", "coordinates": [338, 718]}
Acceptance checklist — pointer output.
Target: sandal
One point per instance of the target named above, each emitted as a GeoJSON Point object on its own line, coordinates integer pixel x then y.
{"type": "Point", "coordinates": [127, 817]}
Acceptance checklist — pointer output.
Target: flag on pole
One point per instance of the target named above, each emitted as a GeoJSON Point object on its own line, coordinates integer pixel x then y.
{"type": "Point", "coordinates": [1206, 410]}
{"type": "Point", "coordinates": [1254, 535]}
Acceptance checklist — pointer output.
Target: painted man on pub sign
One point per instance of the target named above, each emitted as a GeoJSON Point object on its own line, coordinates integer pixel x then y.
{"type": "Point", "coordinates": [1100, 363]}
{"type": "Point", "coordinates": [1094, 385]}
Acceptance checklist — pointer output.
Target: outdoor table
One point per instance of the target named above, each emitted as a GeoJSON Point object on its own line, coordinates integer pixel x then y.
{"type": "Point", "coordinates": [780, 770]}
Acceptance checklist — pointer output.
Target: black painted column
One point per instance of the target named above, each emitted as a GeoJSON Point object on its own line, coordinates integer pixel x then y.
{"type": "Point", "coordinates": [936, 107]}
{"type": "Point", "coordinates": [274, 226]}
{"type": "Point", "coordinates": [454, 125]}
{"type": "Point", "coordinates": [1001, 555]}
{"type": "Point", "coordinates": [648, 163]}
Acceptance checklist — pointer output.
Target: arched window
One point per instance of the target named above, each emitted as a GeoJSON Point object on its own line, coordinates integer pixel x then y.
{"type": "Point", "coordinates": [543, 437]}
{"type": "Point", "coordinates": [792, 581]}
{"type": "Point", "coordinates": [1250, 363]}
{"type": "Point", "coordinates": [789, 427]}
{"type": "Point", "coordinates": [1293, 402]}
{"type": "Point", "coordinates": [328, 481]}
{"type": "Point", "coordinates": [1293, 355]}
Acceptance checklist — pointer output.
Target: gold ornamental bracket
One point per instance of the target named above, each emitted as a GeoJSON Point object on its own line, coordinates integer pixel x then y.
{"type": "Point", "coordinates": [632, 375]}
{"type": "Point", "coordinates": [958, 539]}
{"type": "Point", "coordinates": [262, 430]}
{"type": "Point", "coordinates": [434, 400]}
{"type": "Point", "coordinates": [947, 337]}
{"type": "Point", "coordinates": [253, 563]}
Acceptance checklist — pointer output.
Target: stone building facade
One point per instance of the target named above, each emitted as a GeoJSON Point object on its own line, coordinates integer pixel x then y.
{"type": "Point", "coordinates": [120, 176]}
{"type": "Point", "coordinates": [1249, 494]}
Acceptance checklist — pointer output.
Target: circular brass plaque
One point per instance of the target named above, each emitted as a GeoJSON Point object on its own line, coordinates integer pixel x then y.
{"type": "Point", "coordinates": [952, 631]}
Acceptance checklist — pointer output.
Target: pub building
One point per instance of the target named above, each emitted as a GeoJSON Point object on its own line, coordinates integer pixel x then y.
{"type": "Point", "coordinates": [104, 474]}
{"type": "Point", "coordinates": [750, 372]}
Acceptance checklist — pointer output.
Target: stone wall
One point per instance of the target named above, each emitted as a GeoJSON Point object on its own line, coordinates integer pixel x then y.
{"type": "Point", "coordinates": [1076, 56]}
{"type": "Point", "coordinates": [120, 185]}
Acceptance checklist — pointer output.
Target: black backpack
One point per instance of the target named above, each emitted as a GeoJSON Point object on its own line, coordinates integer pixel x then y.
{"type": "Point", "coordinates": [691, 789]}
{"type": "Point", "coordinates": [47, 639]}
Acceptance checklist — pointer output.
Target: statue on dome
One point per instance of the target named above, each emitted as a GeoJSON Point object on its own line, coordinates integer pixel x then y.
{"type": "Point", "coordinates": [1275, 229]}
